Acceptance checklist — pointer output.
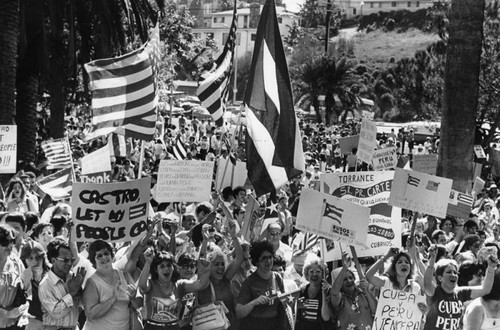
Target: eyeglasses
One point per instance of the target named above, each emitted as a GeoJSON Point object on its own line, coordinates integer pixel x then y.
{"type": "Point", "coordinates": [104, 254]}
{"type": "Point", "coordinates": [6, 243]}
{"type": "Point", "coordinates": [314, 272]}
{"type": "Point", "coordinates": [66, 260]}
{"type": "Point", "coordinates": [274, 234]}
{"type": "Point", "coordinates": [266, 258]}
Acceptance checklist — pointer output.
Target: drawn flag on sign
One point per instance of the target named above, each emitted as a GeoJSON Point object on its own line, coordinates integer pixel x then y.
{"type": "Point", "coordinates": [413, 181]}
{"type": "Point", "coordinates": [432, 186]}
{"type": "Point", "coordinates": [459, 204]}
{"type": "Point", "coordinates": [58, 153]}
{"type": "Point", "coordinates": [58, 185]}
{"type": "Point", "coordinates": [125, 92]}
{"type": "Point", "coordinates": [332, 212]}
{"type": "Point", "coordinates": [274, 148]}
{"type": "Point", "coordinates": [137, 211]}
{"type": "Point", "coordinates": [213, 90]}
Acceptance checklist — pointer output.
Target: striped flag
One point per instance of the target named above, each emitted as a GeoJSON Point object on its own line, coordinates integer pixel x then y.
{"type": "Point", "coordinates": [274, 148]}
{"type": "Point", "coordinates": [125, 93]}
{"type": "Point", "coordinates": [304, 242]}
{"type": "Point", "coordinates": [58, 185]}
{"type": "Point", "coordinates": [413, 181]}
{"type": "Point", "coordinates": [179, 149]}
{"type": "Point", "coordinates": [213, 90]}
{"type": "Point", "coordinates": [332, 212]}
{"type": "Point", "coordinates": [288, 301]}
{"type": "Point", "coordinates": [432, 185]}
{"type": "Point", "coordinates": [58, 153]}
{"type": "Point", "coordinates": [119, 145]}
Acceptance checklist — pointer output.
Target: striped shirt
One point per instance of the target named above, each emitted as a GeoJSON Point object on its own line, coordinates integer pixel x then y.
{"type": "Point", "coordinates": [58, 307]}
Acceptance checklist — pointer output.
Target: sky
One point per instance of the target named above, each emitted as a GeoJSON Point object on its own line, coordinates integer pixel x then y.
{"type": "Point", "coordinates": [293, 5]}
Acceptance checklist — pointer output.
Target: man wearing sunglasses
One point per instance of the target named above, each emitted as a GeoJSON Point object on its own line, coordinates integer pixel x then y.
{"type": "Point", "coordinates": [60, 291]}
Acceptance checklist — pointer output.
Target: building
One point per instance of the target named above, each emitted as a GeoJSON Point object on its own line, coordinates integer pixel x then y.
{"type": "Point", "coordinates": [352, 8]}
{"type": "Point", "coordinates": [216, 27]}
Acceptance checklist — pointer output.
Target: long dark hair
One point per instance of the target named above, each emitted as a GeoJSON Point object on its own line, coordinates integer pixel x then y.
{"type": "Point", "coordinates": [391, 272]}
{"type": "Point", "coordinates": [158, 259]}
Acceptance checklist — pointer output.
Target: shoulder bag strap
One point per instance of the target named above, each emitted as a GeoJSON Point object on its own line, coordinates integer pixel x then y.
{"type": "Point", "coordinates": [212, 292]}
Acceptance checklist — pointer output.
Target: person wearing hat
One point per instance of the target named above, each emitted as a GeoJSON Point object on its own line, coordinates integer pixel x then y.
{"type": "Point", "coordinates": [488, 213]}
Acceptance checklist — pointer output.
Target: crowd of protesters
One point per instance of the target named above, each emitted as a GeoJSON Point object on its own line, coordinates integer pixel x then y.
{"type": "Point", "coordinates": [194, 253]}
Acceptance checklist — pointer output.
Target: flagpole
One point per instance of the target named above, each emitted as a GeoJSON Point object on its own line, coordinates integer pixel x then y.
{"type": "Point", "coordinates": [356, 263]}
{"type": "Point", "coordinates": [141, 159]}
{"type": "Point", "coordinates": [71, 159]}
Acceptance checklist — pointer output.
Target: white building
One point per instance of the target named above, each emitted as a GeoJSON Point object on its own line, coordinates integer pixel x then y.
{"type": "Point", "coordinates": [217, 27]}
{"type": "Point", "coordinates": [352, 8]}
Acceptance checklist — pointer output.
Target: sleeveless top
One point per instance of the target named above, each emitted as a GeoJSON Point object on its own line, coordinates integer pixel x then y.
{"type": "Point", "coordinates": [118, 316]}
{"type": "Point", "coordinates": [160, 305]}
{"type": "Point", "coordinates": [489, 323]}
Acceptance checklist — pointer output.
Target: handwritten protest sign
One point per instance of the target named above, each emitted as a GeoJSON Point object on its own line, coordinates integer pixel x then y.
{"type": "Point", "coordinates": [97, 161]}
{"type": "Point", "coordinates": [478, 185]}
{"type": "Point", "coordinates": [479, 151]}
{"type": "Point", "coordinates": [114, 212]}
{"type": "Point", "coordinates": [8, 148]}
{"type": "Point", "coordinates": [331, 217]}
{"type": "Point", "coordinates": [231, 175]}
{"type": "Point", "coordinates": [102, 177]}
{"type": "Point", "coordinates": [252, 222]}
{"type": "Point", "coordinates": [459, 204]}
{"type": "Point", "coordinates": [397, 309]}
{"type": "Point", "coordinates": [425, 163]}
{"type": "Point", "coordinates": [420, 192]}
{"type": "Point", "coordinates": [370, 189]}
{"type": "Point", "coordinates": [184, 181]}
{"type": "Point", "coordinates": [367, 140]}
{"type": "Point", "coordinates": [384, 159]}
{"type": "Point", "coordinates": [495, 161]}
{"type": "Point", "coordinates": [348, 143]}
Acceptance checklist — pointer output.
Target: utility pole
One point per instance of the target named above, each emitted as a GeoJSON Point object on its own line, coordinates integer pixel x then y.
{"type": "Point", "coordinates": [328, 17]}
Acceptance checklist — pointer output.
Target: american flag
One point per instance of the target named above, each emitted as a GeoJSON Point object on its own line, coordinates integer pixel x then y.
{"type": "Point", "coordinates": [274, 147]}
{"type": "Point", "coordinates": [120, 146]}
{"type": "Point", "coordinates": [413, 181]}
{"type": "Point", "coordinates": [179, 150]}
{"type": "Point", "coordinates": [432, 186]}
{"type": "Point", "coordinates": [125, 92]}
{"type": "Point", "coordinates": [213, 90]}
{"type": "Point", "coordinates": [58, 185]}
{"type": "Point", "coordinates": [304, 242]}
{"type": "Point", "coordinates": [58, 153]}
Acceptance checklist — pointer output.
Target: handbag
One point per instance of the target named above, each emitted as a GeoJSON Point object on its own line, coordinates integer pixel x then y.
{"type": "Point", "coordinates": [211, 316]}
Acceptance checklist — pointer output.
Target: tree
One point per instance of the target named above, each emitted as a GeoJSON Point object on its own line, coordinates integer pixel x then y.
{"type": "Point", "coordinates": [461, 88]}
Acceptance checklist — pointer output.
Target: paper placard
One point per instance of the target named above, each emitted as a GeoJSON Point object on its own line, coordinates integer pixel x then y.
{"type": "Point", "coordinates": [420, 192]}
{"type": "Point", "coordinates": [184, 181]}
{"type": "Point", "coordinates": [230, 175]}
{"type": "Point", "coordinates": [367, 140]}
{"type": "Point", "coordinates": [370, 189]}
{"type": "Point", "coordinates": [97, 161]}
{"type": "Point", "coordinates": [348, 143]}
{"type": "Point", "coordinates": [384, 159]}
{"type": "Point", "coordinates": [425, 163]}
{"type": "Point", "coordinates": [479, 151]}
{"type": "Point", "coordinates": [331, 217]}
{"type": "Point", "coordinates": [252, 222]}
{"type": "Point", "coordinates": [113, 212]}
{"type": "Point", "coordinates": [102, 177]}
{"type": "Point", "coordinates": [397, 309]}
{"type": "Point", "coordinates": [478, 186]}
{"type": "Point", "coordinates": [8, 148]}
{"type": "Point", "coordinates": [459, 204]}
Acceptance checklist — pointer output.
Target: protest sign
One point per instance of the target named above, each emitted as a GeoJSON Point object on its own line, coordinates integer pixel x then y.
{"type": "Point", "coordinates": [479, 151]}
{"type": "Point", "coordinates": [331, 217]}
{"type": "Point", "coordinates": [459, 204]}
{"type": "Point", "coordinates": [397, 309]}
{"type": "Point", "coordinates": [97, 161]}
{"type": "Point", "coordinates": [370, 189]}
{"type": "Point", "coordinates": [8, 148]}
{"type": "Point", "coordinates": [495, 161]}
{"type": "Point", "coordinates": [384, 159]}
{"type": "Point", "coordinates": [367, 140]}
{"type": "Point", "coordinates": [425, 163]}
{"type": "Point", "coordinates": [420, 192]}
{"type": "Point", "coordinates": [102, 177]}
{"type": "Point", "coordinates": [184, 181]}
{"type": "Point", "coordinates": [478, 186]}
{"type": "Point", "coordinates": [348, 143]}
{"type": "Point", "coordinates": [230, 175]}
{"type": "Point", "coordinates": [113, 212]}
{"type": "Point", "coordinates": [252, 222]}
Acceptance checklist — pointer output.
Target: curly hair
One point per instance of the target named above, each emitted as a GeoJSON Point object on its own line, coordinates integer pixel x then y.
{"type": "Point", "coordinates": [311, 261]}
{"type": "Point", "coordinates": [54, 246]}
{"type": "Point", "coordinates": [97, 246]}
{"type": "Point", "coordinates": [158, 259]}
{"type": "Point", "coordinates": [257, 248]}
{"type": "Point", "coordinates": [391, 272]}
{"type": "Point", "coordinates": [10, 187]}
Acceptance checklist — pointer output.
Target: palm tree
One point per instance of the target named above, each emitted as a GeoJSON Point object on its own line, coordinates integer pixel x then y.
{"type": "Point", "coordinates": [460, 99]}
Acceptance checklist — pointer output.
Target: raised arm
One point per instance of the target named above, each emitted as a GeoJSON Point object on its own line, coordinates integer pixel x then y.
{"type": "Point", "coordinates": [203, 277]}
{"type": "Point", "coordinates": [485, 288]}
{"type": "Point", "coordinates": [335, 294]}
{"type": "Point", "coordinates": [139, 248]}
{"type": "Point", "coordinates": [234, 266]}
{"type": "Point", "coordinates": [144, 284]}
{"type": "Point", "coordinates": [429, 281]}
{"type": "Point", "coordinates": [371, 274]}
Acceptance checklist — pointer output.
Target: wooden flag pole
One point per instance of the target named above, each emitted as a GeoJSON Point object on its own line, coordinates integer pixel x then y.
{"type": "Point", "coordinates": [141, 159]}
{"type": "Point", "coordinates": [356, 263]}
{"type": "Point", "coordinates": [71, 160]}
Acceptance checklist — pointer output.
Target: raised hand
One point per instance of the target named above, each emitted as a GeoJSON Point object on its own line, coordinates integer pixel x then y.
{"type": "Point", "coordinates": [75, 281]}
{"type": "Point", "coordinates": [205, 231]}
{"type": "Point", "coordinates": [203, 266]}
{"type": "Point", "coordinates": [432, 255]}
{"type": "Point", "coordinates": [149, 255]}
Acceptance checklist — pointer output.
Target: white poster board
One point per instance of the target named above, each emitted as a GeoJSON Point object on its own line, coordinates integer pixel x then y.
{"type": "Point", "coordinates": [231, 175]}
{"type": "Point", "coordinates": [8, 148]}
{"type": "Point", "coordinates": [184, 181]}
{"type": "Point", "coordinates": [425, 163]}
{"type": "Point", "coordinates": [367, 140]}
{"type": "Point", "coordinates": [97, 161]}
{"type": "Point", "coordinates": [397, 309]}
{"type": "Point", "coordinates": [384, 159]}
{"type": "Point", "coordinates": [420, 192]}
{"type": "Point", "coordinates": [331, 217]}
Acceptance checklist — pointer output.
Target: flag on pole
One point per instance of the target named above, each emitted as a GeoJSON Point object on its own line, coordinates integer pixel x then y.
{"type": "Point", "coordinates": [58, 185]}
{"type": "Point", "coordinates": [274, 147]}
{"type": "Point", "coordinates": [179, 150]}
{"type": "Point", "coordinates": [304, 242]}
{"type": "Point", "coordinates": [125, 92]}
{"type": "Point", "coordinates": [58, 153]}
{"type": "Point", "coordinates": [213, 90]}
{"type": "Point", "coordinates": [119, 145]}
{"type": "Point", "coordinates": [288, 301]}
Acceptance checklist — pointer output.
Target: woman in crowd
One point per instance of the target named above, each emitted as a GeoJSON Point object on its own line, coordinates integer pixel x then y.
{"type": "Point", "coordinates": [444, 296]}
{"type": "Point", "coordinates": [314, 311]}
{"type": "Point", "coordinates": [447, 225]}
{"type": "Point", "coordinates": [107, 295]}
{"type": "Point", "coordinates": [34, 258]}
{"type": "Point", "coordinates": [469, 250]}
{"type": "Point", "coordinates": [17, 199]}
{"type": "Point", "coordinates": [484, 313]}
{"type": "Point", "coordinates": [43, 233]}
{"type": "Point", "coordinates": [10, 282]}
{"type": "Point", "coordinates": [470, 274]}
{"type": "Point", "coordinates": [256, 306]}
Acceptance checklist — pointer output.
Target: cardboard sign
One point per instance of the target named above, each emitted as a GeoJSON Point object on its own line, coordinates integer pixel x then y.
{"type": "Point", "coordinates": [252, 222]}
{"type": "Point", "coordinates": [367, 140]}
{"type": "Point", "coordinates": [370, 189]}
{"type": "Point", "coordinates": [420, 192]}
{"type": "Point", "coordinates": [102, 177]}
{"type": "Point", "coordinates": [459, 204]}
{"type": "Point", "coordinates": [425, 163]}
{"type": "Point", "coordinates": [8, 148]}
{"type": "Point", "coordinates": [495, 161]}
{"type": "Point", "coordinates": [348, 143]}
{"type": "Point", "coordinates": [384, 159]}
{"type": "Point", "coordinates": [479, 151]}
{"type": "Point", "coordinates": [478, 186]}
{"type": "Point", "coordinates": [230, 175]}
{"type": "Point", "coordinates": [184, 181]}
{"type": "Point", "coordinates": [97, 161]}
{"type": "Point", "coordinates": [331, 217]}
{"type": "Point", "coordinates": [397, 309]}
{"type": "Point", "coordinates": [114, 212]}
